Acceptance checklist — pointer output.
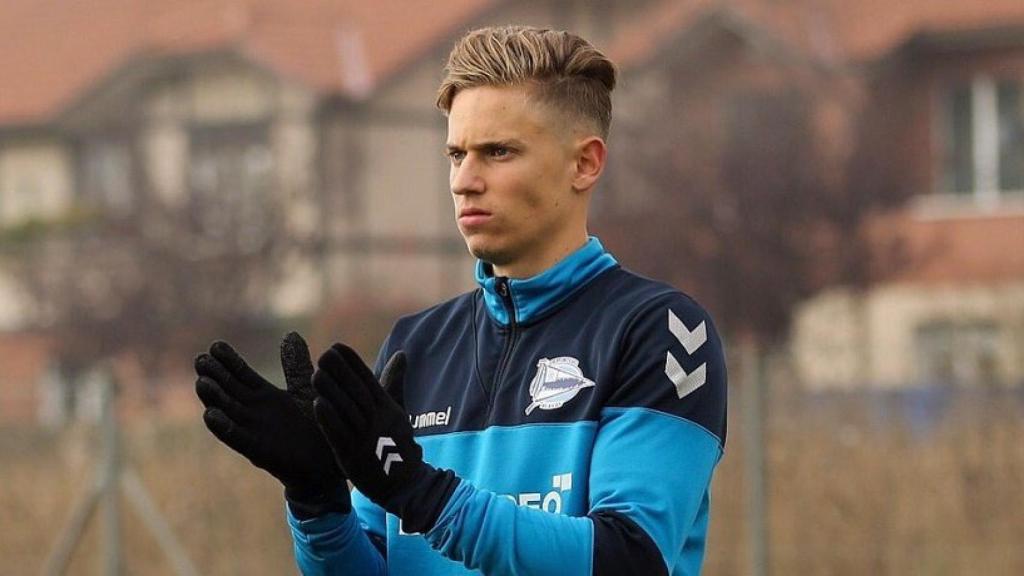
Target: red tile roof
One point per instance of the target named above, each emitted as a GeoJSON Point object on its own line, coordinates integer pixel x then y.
{"type": "Point", "coordinates": [870, 28]}
{"type": "Point", "coordinates": [53, 50]}
{"type": "Point", "coordinates": [837, 31]}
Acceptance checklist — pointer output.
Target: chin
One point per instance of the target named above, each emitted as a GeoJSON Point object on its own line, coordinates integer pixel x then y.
{"type": "Point", "coordinates": [487, 252]}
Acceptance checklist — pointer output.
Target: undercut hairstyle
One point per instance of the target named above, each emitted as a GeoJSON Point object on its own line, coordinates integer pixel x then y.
{"type": "Point", "coordinates": [558, 68]}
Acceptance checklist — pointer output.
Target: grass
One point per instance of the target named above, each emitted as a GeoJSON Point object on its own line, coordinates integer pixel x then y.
{"type": "Point", "coordinates": [853, 489]}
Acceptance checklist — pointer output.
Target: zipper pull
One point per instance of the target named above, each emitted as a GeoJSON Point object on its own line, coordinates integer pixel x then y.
{"type": "Point", "coordinates": [502, 287]}
{"type": "Point", "coordinates": [503, 290]}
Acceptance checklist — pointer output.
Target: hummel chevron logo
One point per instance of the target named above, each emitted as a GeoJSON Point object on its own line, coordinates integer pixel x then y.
{"type": "Point", "coordinates": [383, 442]}
{"type": "Point", "coordinates": [691, 341]}
{"type": "Point", "coordinates": [685, 383]}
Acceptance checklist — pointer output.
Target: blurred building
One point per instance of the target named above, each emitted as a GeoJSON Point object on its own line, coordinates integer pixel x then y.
{"type": "Point", "coordinates": [945, 107]}
{"type": "Point", "coordinates": [918, 101]}
{"type": "Point", "coordinates": [329, 104]}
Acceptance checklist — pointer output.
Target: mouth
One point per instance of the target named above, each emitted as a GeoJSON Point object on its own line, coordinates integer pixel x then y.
{"type": "Point", "coordinates": [471, 217]}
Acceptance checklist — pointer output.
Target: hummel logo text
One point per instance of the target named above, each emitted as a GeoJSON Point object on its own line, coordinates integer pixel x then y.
{"type": "Point", "coordinates": [428, 419]}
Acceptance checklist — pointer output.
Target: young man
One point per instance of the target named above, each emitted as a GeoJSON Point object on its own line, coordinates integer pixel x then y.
{"type": "Point", "coordinates": [564, 418]}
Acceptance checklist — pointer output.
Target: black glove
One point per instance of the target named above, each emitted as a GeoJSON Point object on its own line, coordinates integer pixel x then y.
{"type": "Point", "coordinates": [274, 428]}
{"type": "Point", "coordinates": [369, 431]}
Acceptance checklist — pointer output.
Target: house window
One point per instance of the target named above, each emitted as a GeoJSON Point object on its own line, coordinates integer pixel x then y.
{"type": "Point", "coordinates": [230, 178]}
{"type": "Point", "coordinates": [959, 177]}
{"type": "Point", "coordinates": [1011, 135]}
{"type": "Point", "coordinates": [957, 353]}
{"type": "Point", "coordinates": [107, 175]}
{"type": "Point", "coordinates": [983, 138]}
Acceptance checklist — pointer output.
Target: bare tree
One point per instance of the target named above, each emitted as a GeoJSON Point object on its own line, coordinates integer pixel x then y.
{"type": "Point", "coordinates": [739, 209]}
{"type": "Point", "coordinates": [157, 281]}
{"type": "Point", "coordinates": [731, 193]}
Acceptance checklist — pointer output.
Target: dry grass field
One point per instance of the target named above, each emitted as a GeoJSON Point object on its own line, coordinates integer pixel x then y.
{"type": "Point", "coordinates": [854, 489]}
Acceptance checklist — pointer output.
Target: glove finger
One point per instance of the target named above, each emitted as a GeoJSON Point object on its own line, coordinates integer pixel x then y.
{"type": "Point", "coordinates": [392, 378]}
{"type": "Point", "coordinates": [372, 389]}
{"type": "Point", "coordinates": [330, 393]}
{"type": "Point", "coordinates": [297, 366]}
{"type": "Point", "coordinates": [350, 384]}
{"type": "Point", "coordinates": [355, 363]}
{"type": "Point", "coordinates": [212, 395]}
{"type": "Point", "coordinates": [206, 365]}
{"type": "Point", "coordinates": [338, 432]}
{"type": "Point", "coordinates": [225, 429]}
{"type": "Point", "coordinates": [236, 365]}
{"type": "Point", "coordinates": [210, 367]}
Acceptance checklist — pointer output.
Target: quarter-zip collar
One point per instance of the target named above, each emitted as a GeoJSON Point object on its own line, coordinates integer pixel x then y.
{"type": "Point", "coordinates": [532, 297]}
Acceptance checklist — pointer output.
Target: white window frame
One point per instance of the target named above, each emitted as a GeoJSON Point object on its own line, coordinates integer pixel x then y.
{"type": "Point", "coordinates": [985, 124]}
{"type": "Point", "coordinates": [985, 195]}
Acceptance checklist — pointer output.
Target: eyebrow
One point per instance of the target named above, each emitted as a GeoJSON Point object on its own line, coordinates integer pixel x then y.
{"type": "Point", "coordinates": [489, 145]}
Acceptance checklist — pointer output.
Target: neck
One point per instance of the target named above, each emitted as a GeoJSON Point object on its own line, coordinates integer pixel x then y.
{"type": "Point", "coordinates": [530, 266]}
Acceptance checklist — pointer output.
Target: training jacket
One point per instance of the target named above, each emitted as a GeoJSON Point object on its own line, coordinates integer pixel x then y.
{"type": "Point", "coordinates": [583, 411]}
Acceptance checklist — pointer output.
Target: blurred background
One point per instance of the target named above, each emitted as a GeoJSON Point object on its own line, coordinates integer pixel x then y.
{"type": "Point", "coordinates": [840, 182]}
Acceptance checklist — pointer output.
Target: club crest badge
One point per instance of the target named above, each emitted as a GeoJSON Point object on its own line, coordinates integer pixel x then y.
{"type": "Point", "coordinates": [557, 381]}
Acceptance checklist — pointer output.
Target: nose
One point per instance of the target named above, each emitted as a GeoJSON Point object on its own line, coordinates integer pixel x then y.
{"type": "Point", "coordinates": [466, 178]}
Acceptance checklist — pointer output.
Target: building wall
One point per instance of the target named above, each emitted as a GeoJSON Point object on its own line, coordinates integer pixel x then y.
{"type": "Point", "coordinates": [35, 180]}
{"type": "Point", "coordinates": [35, 185]}
{"type": "Point", "coordinates": [881, 337]}
{"type": "Point", "coordinates": [386, 185]}
{"type": "Point", "coordinates": [231, 92]}
{"type": "Point", "coordinates": [296, 148]}
{"type": "Point", "coordinates": [13, 303]}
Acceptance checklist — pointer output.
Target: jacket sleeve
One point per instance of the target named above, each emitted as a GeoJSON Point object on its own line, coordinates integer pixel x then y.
{"type": "Point", "coordinates": [660, 436]}
{"type": "Point", "coordinates": [335, 544]}
{"type": "Point", "coordinates": [354, 543]}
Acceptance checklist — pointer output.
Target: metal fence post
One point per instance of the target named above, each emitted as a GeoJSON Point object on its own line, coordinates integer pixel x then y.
{"type": "Point", "coordinates": [753, 400]}
{"type": "Point", "coordinates": [111, 475]}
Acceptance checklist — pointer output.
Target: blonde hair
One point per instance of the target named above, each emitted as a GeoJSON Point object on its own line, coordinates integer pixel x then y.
{"type": "Point", "coordinates": [560, 69]}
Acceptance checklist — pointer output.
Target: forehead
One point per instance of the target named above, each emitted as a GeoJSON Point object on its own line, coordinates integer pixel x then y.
{"type": "Point", "coordinates": [496, 113]}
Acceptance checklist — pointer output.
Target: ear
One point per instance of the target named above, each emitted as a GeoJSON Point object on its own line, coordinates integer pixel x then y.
{"type": "Point", "coordinates": [591, 153]}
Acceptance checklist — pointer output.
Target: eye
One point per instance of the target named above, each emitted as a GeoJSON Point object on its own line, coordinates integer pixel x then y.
{"type": "Point", "coordinates": [455, 156]}
{"type": "Point", "coordinates": [499, 152]}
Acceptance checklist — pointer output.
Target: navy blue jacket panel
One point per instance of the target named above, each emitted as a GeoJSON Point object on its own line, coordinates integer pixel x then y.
{"type": "Point", "coordinates": [583, 411]}
{"type": "Point", "coordinates": [487, 368]}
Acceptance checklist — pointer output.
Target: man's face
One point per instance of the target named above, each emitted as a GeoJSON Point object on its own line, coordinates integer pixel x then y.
{"type": "Point", "coordinates": [511, 174]}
